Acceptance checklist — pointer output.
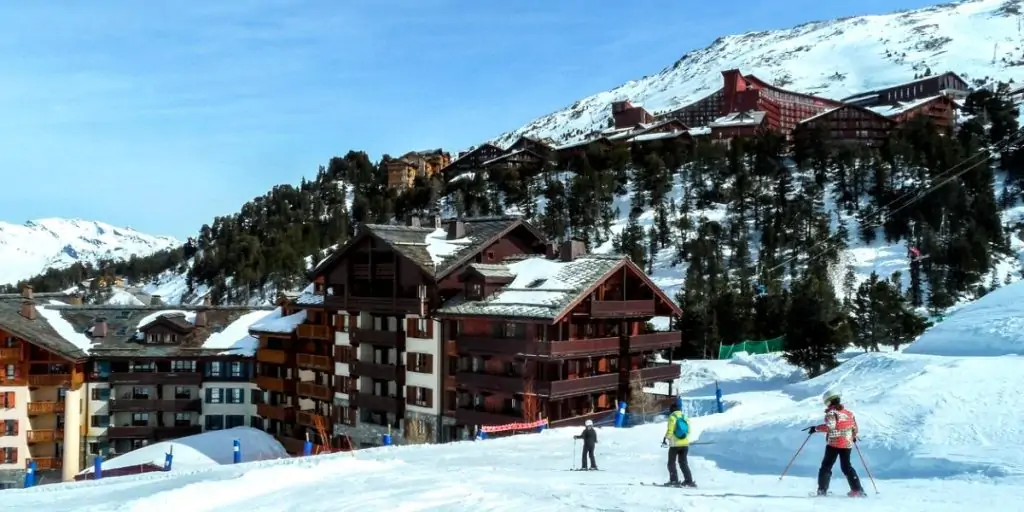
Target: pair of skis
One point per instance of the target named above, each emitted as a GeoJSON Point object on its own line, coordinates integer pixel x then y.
{"type": "Point", "coordinates": [811, 495]}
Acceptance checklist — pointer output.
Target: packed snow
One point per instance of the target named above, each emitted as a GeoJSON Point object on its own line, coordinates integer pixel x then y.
{"type": "Point", "coordinates": [991, 326]}
{"type": "Point", "coordinates": [29, 249]}
{"type": "Point", "coordinates": [63, 327]}
{"type": "Point", "coordinates": [439, 247]}
{"type": "Point", "coordinates": [937, 433]}
{"type": "Point", "coordinates": [202, 451]}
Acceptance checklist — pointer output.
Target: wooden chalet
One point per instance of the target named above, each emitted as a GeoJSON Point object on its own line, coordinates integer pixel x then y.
{"type": "Point", "coordinates": [581, 147]}
{"type": "Point", "coordinates": [738, 124]}
{"type": "Point", "coordinates": [560, 338]}
{"type": "Point", "coordinates": [946, 84]}
{"type": "Point", "coordinates": [541, 147]}
{"type": "Point", "coordinates": [526, 162]}
{"type": "Point", "coordinates": [370, 309]}
{"type": "Point", "coordinates": [472, 160]}
{"type": "Point", "coordinates": [403, 171]}
{"type": "Point", "coordinates": [873, 125]}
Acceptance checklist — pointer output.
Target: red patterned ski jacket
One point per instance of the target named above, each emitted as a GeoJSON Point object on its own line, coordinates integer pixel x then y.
{"type": "Point", "coordinates": [840, 427]}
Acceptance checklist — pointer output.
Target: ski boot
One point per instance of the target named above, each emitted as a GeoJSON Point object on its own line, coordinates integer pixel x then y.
{"type": "Point", "coordinates": [689, 484]}
{"type": "Point", "coordinates": [857, 494]}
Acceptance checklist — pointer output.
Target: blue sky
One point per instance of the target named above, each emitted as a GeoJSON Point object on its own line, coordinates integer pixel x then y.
{"type": "Point", "coordinates": [161, 115]}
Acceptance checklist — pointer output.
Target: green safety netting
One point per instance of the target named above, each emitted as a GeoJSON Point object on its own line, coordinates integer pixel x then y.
{"type": "Point", "coordinates": [752, 347]}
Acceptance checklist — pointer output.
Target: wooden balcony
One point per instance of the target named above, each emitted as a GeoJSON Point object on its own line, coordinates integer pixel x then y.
{"type": "Point", "coordinates": [266, 355]}
{"type": "Point", "coordinates": [389, 339]}
{"type": "Point", "coordinates": [451, 348]}
{"type": "Point", "coordinates": [383, 304]}
{"type": "Point", "coordinates": [489, 382]}
{"type": "Point", "coordinates": [662, 373]}
{"type": "Point", "coordinates": [47, 463]}
{"type": "Point", "coordinates": [343, 354]}
{"type": "Point", "coordinates": [313, 332]}
{"type": "Point", "coordinates": [491, 345]}
{"type": "Point", "coordinates": [450, 382]}
{"type": "Point", "coordinates": [311, 362]}
{"type": "Point", "coordinates": [45, 435]}
{"type": "Point", "coordinates": [51, 380]}
{"type": "Point", "coordinates": [655, 341]}
{"type": "Point", "coordinates": [275, 384]}
{"type": "Point", "coordinates": [378, 371]}
{"type": "Point", "coordinates": [156, 378]}
{"type": "Point", "coordinates": [621, 308]}
{"type": "Point", "coordinates": [174, 432]}
{"type": "Point", "coordinates": [379, 403]}
{"type": "Point", "coordinates": [315, 391]}
{"type": "Point", "coordinates": [144, 405]}
{"type": "Point", "coordinates": [41, 408]}
{"type": "Point", "coordinates": [131, 432]}
{"type": "Point", "coordinates": [480, 417]}
{"type": "Point", "coordinates": [309, 419]}
{"type": "Point", "coordinates": [10, 354]}
{"type": "Point", "coordinates": [570, 387]}
{"type": "Point", "coordinates": [567, 348]}
{"type": "Point", "coordinates": [284, 414]}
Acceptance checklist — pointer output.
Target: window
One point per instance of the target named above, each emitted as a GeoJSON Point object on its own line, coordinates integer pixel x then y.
{"type": "Point", "coordinates": [214, 422]}
{"type": "Point", "coordinates": [10, 428]}
{"type": "Point", "coordinates": [420, 363]}
{"type": "Point", "coordinates": [11, 372]}
{"type": "Point", "coordinates": [344, 415]}
{"type": "Point", "coordinates": [121, 331]}
{"type": "Point", "coordinates": [136, 366]}
{"type": "Point", "coordinates": [256, 397]}
{"type": "Point", "coordinates": [140, 419]}
{"type": "Point", "coordinates": [7, 400]}
{"type": "Point", "coordinates": [183, 366]}
{"type": "Point", "coordinates": [139, 393]}
{"type": "Point", "coordinates": [214, 396]}
{"type": "Point", "coordinates": [101, 394]}
{"type": "Point", "coordinates": [9, 455]}
{"type": "Point", "coordinates": [509, 330]}
{"type": "Point", "coordinates": [476, 290]}
{"type": "Point", "coordinates": [341, 323]}
{"type": "Point", "coordinates": [99, 421]}
{"type": "Point", "coordinates": [256, 422]}
{"type": "Point", "coordinates": [420, 328]}
{"type": "Point", "coordinates": [182, 419]}
{"type": "Point", "coordinates": [182, 393]}
{"type": "Point", "coordinates": [123, 314]}
{"type": "Point", "coordinates": [237, 370]}
{"type": "Point", "coordinates": [490, 255]}
{"type": "Point", "coordinates": [234, 420]}
{"type": "Point", "coordinates": [214, 369]}
{"type": "Point", "coordinates": [10, 342]}
{"type": "Point", "coordinates": [236, 396]}
{"type": "Point", "coordinates": [420, 397]}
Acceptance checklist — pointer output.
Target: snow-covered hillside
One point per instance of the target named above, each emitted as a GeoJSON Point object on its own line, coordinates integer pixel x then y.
{"type": "Point", "coordinates": [979, 39]}
{"type": "Point", "coordinates": [937, 433]}
{"type": "Point", "coordinates": [29, 249]}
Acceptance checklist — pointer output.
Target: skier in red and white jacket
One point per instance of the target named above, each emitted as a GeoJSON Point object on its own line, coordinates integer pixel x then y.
{"type": "Point", "coordinates": [840, 430]}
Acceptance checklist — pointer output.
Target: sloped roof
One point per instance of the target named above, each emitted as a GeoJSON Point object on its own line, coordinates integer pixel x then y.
{"type": "Point", "coordinates": [746, 118]}
{"type": "Point", "coordinates": [897, 108]}
{"type": "Point", "coordinates": [38, 331]}
{"type": "Point", "coordinates": [544, 289]}
{"type": "Point", "coordinates": [875, 92]}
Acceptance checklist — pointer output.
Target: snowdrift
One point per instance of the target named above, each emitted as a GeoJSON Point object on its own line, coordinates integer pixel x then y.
{"type": "Point", "coordinates": [920, 416]}
{"type": "Point", "coordinates": [203, 450]}
{"type": "Point", "coordinates": [991, 326]}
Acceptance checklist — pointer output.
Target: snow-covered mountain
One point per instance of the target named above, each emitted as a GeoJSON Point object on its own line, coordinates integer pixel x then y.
{"type": "Point", "coordinates": [982, 40]}
{"type": "Point", "coordinates": [31, 248]}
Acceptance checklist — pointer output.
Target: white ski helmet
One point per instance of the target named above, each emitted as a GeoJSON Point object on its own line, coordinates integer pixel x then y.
{"type": "Point", "coordinates": [829, 396]}
{"type": "Point", "coordinates": [589, 423]}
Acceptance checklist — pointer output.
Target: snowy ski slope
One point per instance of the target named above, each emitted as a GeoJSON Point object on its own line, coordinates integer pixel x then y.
{"type": "Point", "coordinates": [939, 433]}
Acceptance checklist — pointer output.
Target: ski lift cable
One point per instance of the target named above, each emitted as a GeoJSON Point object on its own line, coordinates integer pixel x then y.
{"type": "Point", "coordinates": [914, 195]}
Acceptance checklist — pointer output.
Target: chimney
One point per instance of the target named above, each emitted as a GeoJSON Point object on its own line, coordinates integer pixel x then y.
{"type": "Point", "coordinates": [76, 299]}
{"type": "Point", "coordinates": [434, 220]}
{"type": "Point", "coordinates": [456, 229]}
{"type": "Point", "coordinates": [200, 320]}
{"type": "Point", "coordinates": [99, 329]}
{"type": "Point", "coordinates": [26, 291]}
{"type": "Point", "coordinates": [207, 301]}
{"type": "Point", "coordinates": [412, 221]}
{"type": "Point", "coordinates": [155, 300]}
{"type": "Point", "coordinates": [551, 250]}
{"type": "Point", "coordinates": [572, 249]}
{"type": "Point", "coordinates": [28, 308]}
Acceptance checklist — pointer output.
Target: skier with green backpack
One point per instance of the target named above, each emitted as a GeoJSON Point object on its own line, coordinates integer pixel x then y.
{"type": "Point", "coordinates": [676, 438]}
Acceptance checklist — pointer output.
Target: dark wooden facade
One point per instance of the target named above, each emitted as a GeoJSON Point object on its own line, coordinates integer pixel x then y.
{"type": "Point", "coordinates": [947, 83]}
{"type": "Point", "coordinates": [851, 124]}
{"type": "Point", "coordinates": [472, 160]}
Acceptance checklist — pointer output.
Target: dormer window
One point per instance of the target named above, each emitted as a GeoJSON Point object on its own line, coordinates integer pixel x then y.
{"type": "Point", "coordinates": [474, 290]}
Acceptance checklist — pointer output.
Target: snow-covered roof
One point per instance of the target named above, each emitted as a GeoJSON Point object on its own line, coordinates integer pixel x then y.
{"type": "Point", "coordinates": [645, 137]}
{"type": "Point", "coordinates": [901, 107]}
{"type": "Point", "coordinates": [202, 451]}
{"type": "Point", "coordinates": [542, 287]}
{"type": "Point", "coordinates": [747, 118]}
{"type": "Point", "coordinates": [275, 323]}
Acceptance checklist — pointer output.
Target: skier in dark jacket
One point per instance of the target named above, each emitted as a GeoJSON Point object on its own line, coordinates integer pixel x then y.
{"type": "Point", "coordinates": [589, 437]}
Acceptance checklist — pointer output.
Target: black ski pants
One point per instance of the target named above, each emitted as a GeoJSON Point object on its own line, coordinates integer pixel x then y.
{"type": "Point", "coordinates": [677, 455]}
{"type": "Point", "coordinates": [825, 473]}
{"type": "Point", "coordinates": [588, 451]}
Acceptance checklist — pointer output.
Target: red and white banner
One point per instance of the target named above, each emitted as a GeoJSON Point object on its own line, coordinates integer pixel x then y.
{"type": "Point", "coordinates": [514, 426]}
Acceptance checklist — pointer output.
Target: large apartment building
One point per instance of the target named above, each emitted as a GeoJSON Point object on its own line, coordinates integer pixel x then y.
{"type": "Point", "coordinates": [81, 381]}
{"type": "Point", "coordinates": [367, 330]}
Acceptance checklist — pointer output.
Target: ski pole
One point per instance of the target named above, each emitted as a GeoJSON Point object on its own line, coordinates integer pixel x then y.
{"type": "Point", "coordinates": [798, 450]}
{"type": "Point", "coordinates": [573, 454]}
{"type": "Point", "coordinates": [865, 463]}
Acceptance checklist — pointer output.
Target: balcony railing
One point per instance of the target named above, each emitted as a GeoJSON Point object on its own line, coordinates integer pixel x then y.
{"type": "Point", "coordinates": [286, 386]}
{"type": "Point", "coordinates": [571, 348]}
{"type": "Point", "coordinates": [567, 348]}
{"type": "Point", "coordinates": [385, 304]}
{"type": "Point", "coordinates": [10, 354]}
{"type": "Point", "coordinates": [662, 373]}
{"type": "Point", "coordinates": [311, 390]}
{"type": "Point", "coordinates": [130, 432]}
{"type": "Point", "coordinates": [313, 332]}
{"type": "Point", "coordinates": [45, 436]}
{"type": "Point", "coordinates": [54, 379]}
{"type": "Point", "coordinates": [266, 355]}
{"type": "Point", "coordinates": [40, 408]}
{"type": "Point", "coordinates": [157, 378]}
{"type": "Point", "coordinates": [569, 387]}
{"type": "Point", "coordinates": [284, 414]}
{"type": "Point", "coordinates": [176, 431]}
{"type": "Point", "coordinates": [379, 403]}
{"type": "Point", "coordinates": [46, 463]}
{"type": "Point", "coordinates": [309, 419]}
{"type": "Point", "coordinates": [465, 416]}
{"type": "Point", "coordinates": [656, 340]}
{"type": "Point", "coordinates": [491, 345]}
{"type": "Point", "coordinates": [144, 405]}
{"type": "Point", "coordinates": [390, 339]}
{"type": "Point", "coordinates": [378, 371]}
{"type": "Point", "coordinates": [490, 382]}
{"type": "Point", "coordinates": [343, 354]}
{"type": "Point", "coordinates": [311, 362]}
{"type": "Point", "coordinates": [621, 308]}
